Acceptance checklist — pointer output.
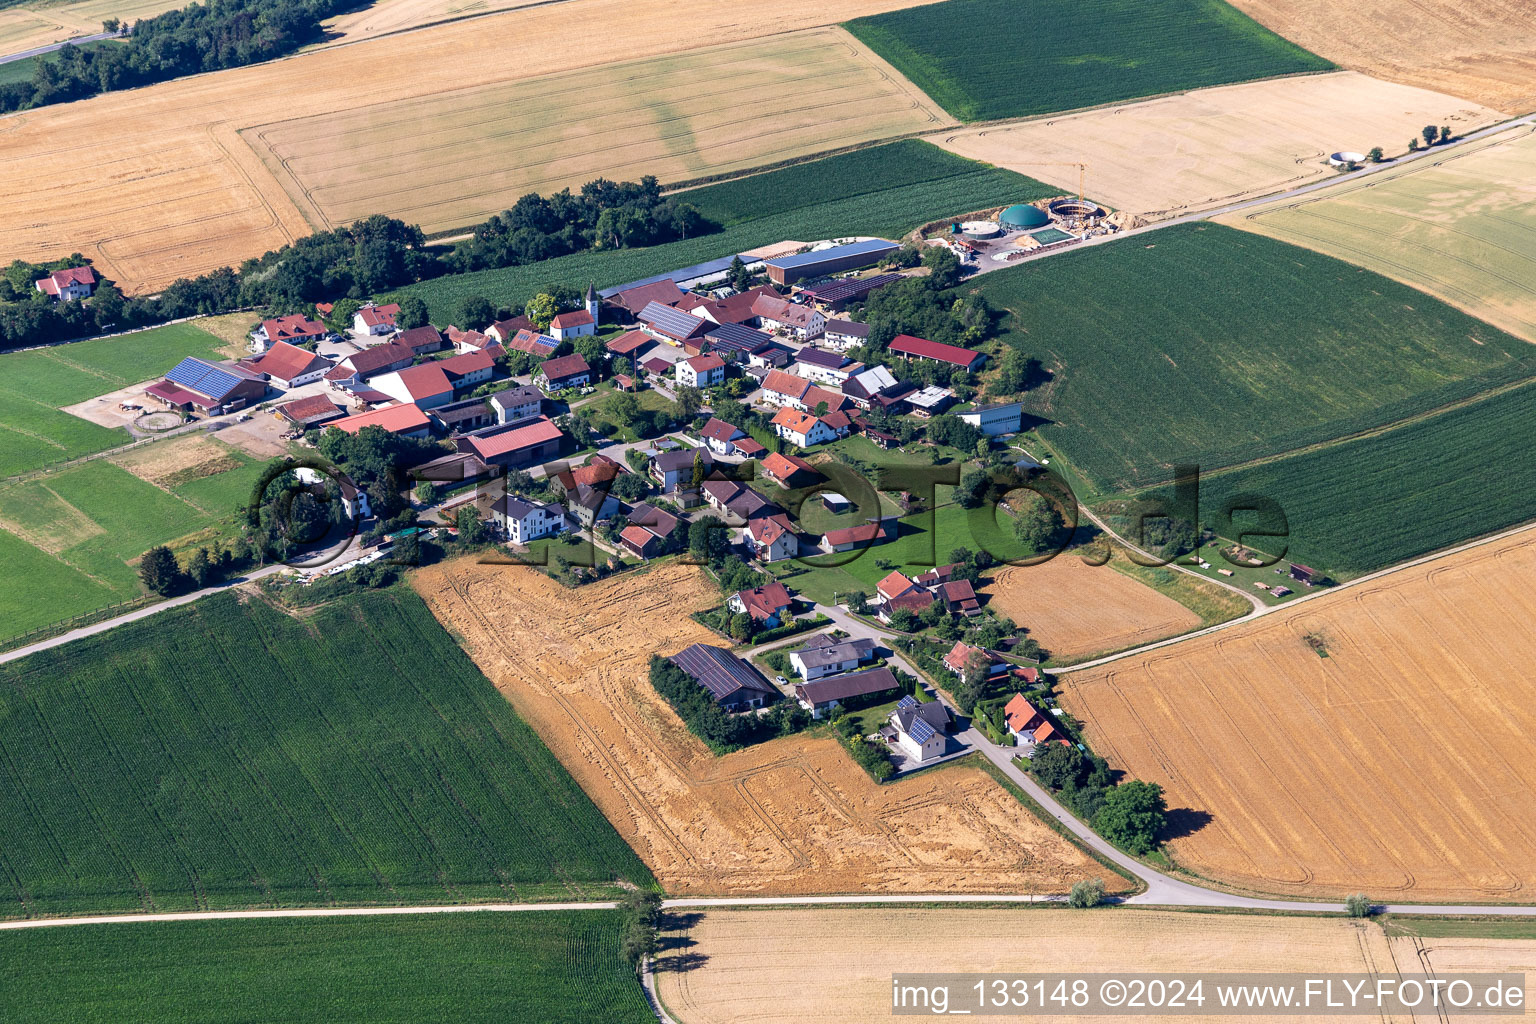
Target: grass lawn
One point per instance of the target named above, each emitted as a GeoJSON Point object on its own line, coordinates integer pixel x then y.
{"type": "Point", "coordinates": [1457, 928]}
{"type": "Point", "coordinates": [37, 589]}
{"type": "Point", "coordinates": [883, 203]}
{"type": "Point", "coordinates": [1212, 603]}
{"type": "Point", "coordinates": [227, 755]}
{"type": "Point", "coordinates": [987, 59]}
{"type": "Point", "coordinates": [870, 719]}
{"type": "Point", "coordinates": [35, 384]}
{"type": "Point", "coordinates": [558, 967]}
{"type": "Point", "coordinates": [1215, 347]}
{"type": "Point", "coordinates": [1245, 576]}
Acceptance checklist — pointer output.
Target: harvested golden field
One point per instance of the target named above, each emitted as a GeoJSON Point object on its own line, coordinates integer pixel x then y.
{"type": "Point", "coordinates": [1073, 609]}
{"type": "Point", "coordinates": [792, 816]}
{"type": "Point", "coordinates": [1442, 956]}
{"type": "Point", "coordinates": [835, 964]}
{"type": "Point", "coordinates": [1198, 150]}
{"type": "Point", "coordinates": [1461, 227]}
{"type": "Point", "coordinates": [1397, 764]}
{"type": "Point", "coordinates": [23, 28]}
{"type": "Point", "coordinates": [455, 158]}
{"type": "Point", "coordinates": [399, 15]}
{"type": "Point", "coordinates": [1484, 50]}
{"type": "Point", "coordinates": [156, 183]}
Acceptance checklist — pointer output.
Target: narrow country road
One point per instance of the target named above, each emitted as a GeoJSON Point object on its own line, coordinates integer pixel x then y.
{"type": "Point", "coordinates": [38, 51]}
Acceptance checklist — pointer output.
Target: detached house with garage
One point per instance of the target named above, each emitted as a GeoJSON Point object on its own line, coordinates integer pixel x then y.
{"type": "Point", "coordinates": [918, 730]}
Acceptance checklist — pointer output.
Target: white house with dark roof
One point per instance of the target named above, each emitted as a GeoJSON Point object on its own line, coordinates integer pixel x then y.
{"type": "Point", "coordinates": [515, 405]}
{"type": "Point", "coordinates": [823, 656]}
{"type": "Point", "coordinates": [844, 334]}
{"type": "Point", "coordinates": [523, 521]}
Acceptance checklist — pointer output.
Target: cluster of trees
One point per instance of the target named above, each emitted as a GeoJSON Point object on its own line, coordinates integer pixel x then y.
{"type": "Point", "coordinates": [200, 37]}
{"type": "Point", "coordinates": [925, 307]}
{"type": "Point", "coordinates": [638, 941]}
{"type": "Point", "coordinates": [723, 732]}
{"type": "Point", "coordinates": [162, 574]}
{"type": "Point", "coordinates": [603, 215]}
{"type": "Point", "coordinates": [1131, 815]}
{"type": "Point", "coordinates": [871, 757]}
{"type": "Point", "coordinates": [1431, 135]}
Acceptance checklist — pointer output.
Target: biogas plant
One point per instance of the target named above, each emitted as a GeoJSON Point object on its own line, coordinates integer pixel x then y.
{"type": "Point", "coordinates": [1027, 228]}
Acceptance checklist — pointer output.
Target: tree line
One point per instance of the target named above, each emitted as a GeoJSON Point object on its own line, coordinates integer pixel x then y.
{"type": "Point", "coordinates": [200, 37]}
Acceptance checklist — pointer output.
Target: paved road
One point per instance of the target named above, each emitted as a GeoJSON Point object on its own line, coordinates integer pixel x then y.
{"type": "Point", "coordinates": [1277, 197]}
{"type": "Point", "coordinates": [40, 50]}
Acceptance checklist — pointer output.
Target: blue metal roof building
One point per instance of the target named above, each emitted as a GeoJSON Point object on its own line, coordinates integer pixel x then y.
{"type": "Point", "coordinates": [789, 269]}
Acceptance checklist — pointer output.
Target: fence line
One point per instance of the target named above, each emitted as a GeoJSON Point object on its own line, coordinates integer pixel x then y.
{"type": "Point", "coordinates": [49, 467]}
{"type": "Point", "coordinates": [131, 330]}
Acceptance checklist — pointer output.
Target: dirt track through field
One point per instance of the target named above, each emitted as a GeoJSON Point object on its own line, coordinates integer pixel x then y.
{"type": "Point", "coordinates": [835, 965]}
{"type": "Point", "coordinates": [1398, 764]}
{"type": "Point", "coordinates": [792, 816]}
{"type": "Point", "coordinates": [157, 183]}
{"type": "Point", "coordinates": [1483, 50]}
{"type": "Point", "coordinates": [1199, 150]}
{"type": "Point", "coordinates": [1072, 608]}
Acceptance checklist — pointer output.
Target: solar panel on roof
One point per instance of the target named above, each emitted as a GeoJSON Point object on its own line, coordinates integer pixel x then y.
{"type": "Point", "coordinates": [873, 246]}
{"type": "Point", "coordinates": [669, 320]}
{"type": "Point", "coordinates": [907, 702]}
{"type": "Point", "coordinates": [204, 378]}
{"type": "Point", "coordinates": [736, 338]}
{"type": "Point", "coordinates": [921, 730]}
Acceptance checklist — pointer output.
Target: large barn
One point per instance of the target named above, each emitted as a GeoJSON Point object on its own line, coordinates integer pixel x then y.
{"type": "Point", "coordinates": [807, 265]}
{"type": "Point", "coordinates": [210, 388]}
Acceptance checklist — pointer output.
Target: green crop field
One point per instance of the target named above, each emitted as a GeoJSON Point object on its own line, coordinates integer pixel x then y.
{"type": "Point", "coordinates": [875, 208]}
{"type": "Point", "coordinates": [1431, 483]}
{"type": "Point", "coordinates": [37, 589]}
{"type": "Point", "coordinates": [987, 59]}
{"type": "Point", "coordinates": [1206, 345]}
{"type": "Point", "coordinates": [553, 967]}
{"type": "Point", "coordinates": [227, 754]}
{"type": "Point", "coordinates": [35, 384]}
{"type": "Point", "coordinates": [874, 169]}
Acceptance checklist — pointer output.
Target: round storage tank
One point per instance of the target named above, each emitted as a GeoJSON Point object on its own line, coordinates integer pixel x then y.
{"type": "Point", "coordinates": [1022, 217]}
{"type": "Point", "coordinates": [980, 229]}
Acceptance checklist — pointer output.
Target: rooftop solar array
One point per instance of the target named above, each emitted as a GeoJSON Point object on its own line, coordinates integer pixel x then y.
{"type": "Point", "coordinates": [669, 321]}
{"type": "Point", "coordinates": [203, 377]}
{"type": "Point", "coordinates": [841, 291]}
{"type": "Point", "coordinates": [736, 338]}
{"type": "Point", "coordinates": [907, 702]}
{"type": "Point", "coordinates": [921, 731]}
{"type": "Point", "coordinates": [873, 248]}
{"type": "Point", "coordinates": [718, 670]}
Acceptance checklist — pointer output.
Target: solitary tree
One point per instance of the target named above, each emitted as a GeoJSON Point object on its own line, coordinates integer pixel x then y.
{"type": "Point", "coordinates": [475, 312]}
{"type": "Point", "coordinates": [1376, 155]}
{"type": "Point", "coordinates": [471, 529]}
{"type": "Point", "coordinates": [1413, 145]}
{"type": "Point", "coordinates": [1430, 133]}
{"type": "Point", "coordinates": [1087, 893]}
{"type": "Point", "coordinates": [689, 401]}
{"type": "Point", "coordinates": [159, 570]}
{"type": "Point", "coordinates": [1357, 905]}
{"type": "Point", "coordinates": [1132, 815]}
{"type": "Point", "coordinates": [201, 568]}
{"type": "Point", "coordinates": [1039, 525]}
{"type": "Point", "coordinates": [413, 313]}
{"type": "Point", "coordinates": [1445, 133]}
{"type": "Point", "coordinates": [541, 309]}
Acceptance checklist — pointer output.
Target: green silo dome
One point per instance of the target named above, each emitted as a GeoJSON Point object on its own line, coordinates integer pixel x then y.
{"type": "Point", "coordinates": [1022, 216]}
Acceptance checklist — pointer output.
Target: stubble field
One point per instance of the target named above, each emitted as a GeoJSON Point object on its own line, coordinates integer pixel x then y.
{"type": "Point", "coordinates": [24, 28]}
{"type": "Point", "coordinates": [1197, 150]}
{"type": "Point", "coordinates": [825, 965]}
{"type": "Point", "coordinates": [1484, 50]}
{"type": "Point", "coordinates": [1073, 608]}
{"type": "Point", "coordinates": [1396, 764]}
{"type": "Point", "coordinates": [1461, 227]}
{"type": "Point", "coordinates": [792, 816]}
{"type": "Point", "coordinates": [156, 183]}
{"type": "Point", "coordinates": [454, 158]}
